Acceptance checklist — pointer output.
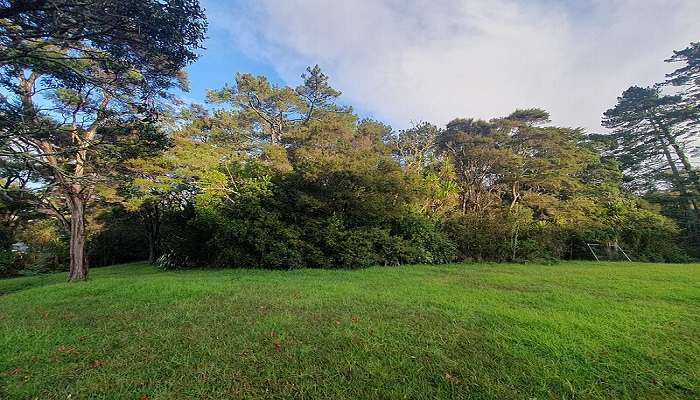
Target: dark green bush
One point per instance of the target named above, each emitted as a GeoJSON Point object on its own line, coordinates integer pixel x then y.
{"type": "Point", "coordinates": [425, 240]}
{"type": "Point", "coordinates": [47, 247]}
{"type": "Point", "coordinates": [8, 264]}
{"type": "Point", "coordinates": [479, 237]}
{"type": "Point", "coordinates": [113, 231]}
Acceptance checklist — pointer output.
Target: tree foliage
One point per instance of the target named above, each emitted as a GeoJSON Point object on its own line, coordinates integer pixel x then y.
{"type": "Point", "coordinates": [656, 140]}
{"type": "Point", "coordinates": [82, 84]}
{"type": "Point", "coordinates": [278, 176]}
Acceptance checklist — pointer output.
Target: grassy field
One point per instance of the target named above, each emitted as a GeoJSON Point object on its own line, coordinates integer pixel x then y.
{"type": "Point", "coordinates": [483, 331]}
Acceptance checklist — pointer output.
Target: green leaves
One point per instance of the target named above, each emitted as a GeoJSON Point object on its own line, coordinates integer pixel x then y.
{"type": "Point", "coordinates": [274, 113]}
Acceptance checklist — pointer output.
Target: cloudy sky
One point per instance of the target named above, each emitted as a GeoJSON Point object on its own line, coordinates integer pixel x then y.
{"type": "Point", "coordinates": [433, 60]}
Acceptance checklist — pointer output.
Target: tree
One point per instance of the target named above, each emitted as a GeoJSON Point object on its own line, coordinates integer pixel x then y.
{"type": "Point", "coordinates": [545, 161]}
{"type": "Point", "coordinates": [688, 75]}
{"type": "Point", "coordinates": [317, 94]}
{"type": "Point", "coordinates": [18, 202]}
{"type": "Point", "coordinates": [653, 138]}
{"type": "Point", "coordinates": [415, 147]}
{"type": "Point", "coordinates": [473, 148]}
{"type": "Point", "coordinates": [157, 185]}
{"type": "Point", "coordinates": [271, 111]}
{"type": "Point", "coordinates": [84, 82]}
{"type": "Point", "coordinates": [528, 189]}
{"type": "Point", "coordinates": [155, 35]}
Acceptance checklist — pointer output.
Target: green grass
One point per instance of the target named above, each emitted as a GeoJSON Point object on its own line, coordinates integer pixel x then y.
{"type": "Point", "coordinates": [573, 330]}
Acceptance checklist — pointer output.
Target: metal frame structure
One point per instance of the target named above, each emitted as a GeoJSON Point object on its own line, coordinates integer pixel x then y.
{"type": "Point", "coordinates": [616, 246]}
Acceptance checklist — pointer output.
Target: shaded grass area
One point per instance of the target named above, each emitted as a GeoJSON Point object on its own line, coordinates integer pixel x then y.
{"type": "Point", "coordinates": [481, 331]}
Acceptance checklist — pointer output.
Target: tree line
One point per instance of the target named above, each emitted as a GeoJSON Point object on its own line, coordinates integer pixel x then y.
{"type": "Point", "coordinates": [100, 162]}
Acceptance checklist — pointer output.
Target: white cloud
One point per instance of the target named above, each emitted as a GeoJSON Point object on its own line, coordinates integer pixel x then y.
{"type": "Point", "coordinates": [437, 60]}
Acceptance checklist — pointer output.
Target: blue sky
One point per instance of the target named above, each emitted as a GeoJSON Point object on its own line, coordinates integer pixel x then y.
{"type": "Point", "coordinates": [433, 60]}
{"type": "Point", "coordinates": [224, 56]}
{"type": "Point", "coordinates": [220, 61]}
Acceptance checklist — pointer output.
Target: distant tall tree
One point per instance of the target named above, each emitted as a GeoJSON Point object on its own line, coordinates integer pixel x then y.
{"type": "Point", "coordinates": [505, 159]}
{"type": "Point", "coordinates": [415, 146]}
{"type": "Point", "coordinates": [688, 75]}
{"type": "Point", "coordinates": [529, 116]}
{"type": "Point", "coordinates": [268, 109]}
{"type": "Point", "coordinates": [653, 138]}
{"type": "Point", "coordinates": [271, 110]}
{"type": "Point", "coordinates": [317, 94]}
{"type": "Point", "coordinates": [545, 161]}
{"type": "Point", "coordinates": [82, 82]}
{"type": "Point", "coordinates": [473, 148]}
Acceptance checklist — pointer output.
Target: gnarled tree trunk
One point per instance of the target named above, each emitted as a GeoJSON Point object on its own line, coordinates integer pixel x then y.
{"type": "Point", "coordinates": [151, 217]}
{"type": "Point", "coordinates": [153, 235]}
{"type": "Point", "coordinates": [78, 261]}
{"type": "Point", "coordinates": [664, 139]}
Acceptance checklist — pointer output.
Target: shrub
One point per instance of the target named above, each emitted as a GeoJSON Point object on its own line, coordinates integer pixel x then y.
{"type": "Point", "coordinates": [113, 231]}
{"type": "Point", "coordinates": [479, 236]}
{"type": "Point", "coordinates": [48, 247]}
{"type": "Point", "coordinates": [425, 240]}
{"type": "Point", "coordinates": [185, 240]}
{"type": "Point", "coordinates": [171, 260]}
{"type": "Point", "coordinates": [8, 264]}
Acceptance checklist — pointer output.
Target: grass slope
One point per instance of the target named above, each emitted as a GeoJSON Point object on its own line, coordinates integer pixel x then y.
{"type": "Point", "coordinates": [574, 330]}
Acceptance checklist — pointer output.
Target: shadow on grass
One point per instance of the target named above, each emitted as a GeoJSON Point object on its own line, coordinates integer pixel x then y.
{"type": "Point", "coordinates": [14, 285]}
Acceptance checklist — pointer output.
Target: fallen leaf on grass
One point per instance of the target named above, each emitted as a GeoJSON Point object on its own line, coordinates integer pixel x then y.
{"type": "Point", "coordinates": [67, 349]}
{"type": "Point", "coordinates": [13, 372]}
{"type": "Point", "coordinates": [144, 397]}
{"type": "Point", "coordinates": [452, 379]}
{"type": "Point", "coordinates": [20, 373]}
{"type": "Point", "coordinates": [97, 363]}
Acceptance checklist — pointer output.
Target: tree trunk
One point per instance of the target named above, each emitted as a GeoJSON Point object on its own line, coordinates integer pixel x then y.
{"type": "Point", "coordinates": [151, 215]}
{"type": "Point", "coordinates": [275, 137]}
{"type": "Point", "coordinates": [692, 206]}
{"type": "Point", "coordinates": [152, 255]}
{"type": "Point", "coordinates": [687, 166]}
{"type": "Point", "coordinates": [672, 164]}
{"type": "Point", "coordinates": [78, 261]}
{"type": "Point", "coordinates": [153, 246]}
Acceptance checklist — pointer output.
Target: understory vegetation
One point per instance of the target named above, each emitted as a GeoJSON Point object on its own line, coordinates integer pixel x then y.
{"type": "Point", "coordinates": [97, 155]}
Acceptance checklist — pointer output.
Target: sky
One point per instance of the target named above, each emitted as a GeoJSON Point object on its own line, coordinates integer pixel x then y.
{"type": "Point", "coordinates": [407, 61]}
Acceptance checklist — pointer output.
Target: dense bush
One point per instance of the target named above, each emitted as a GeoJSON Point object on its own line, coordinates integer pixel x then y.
{"type": "Point", "coordinates": [116, 236]}
{"type": "Point", "coordinates": [47, 247]}
{"type": "Point", "coordinates": [338, 196]}
{"type": "Point", "coordinates": [479, 237]}
{"type": "Point", "coordinates": [277, 182]}
{"type": "Point", "coordinates": [259, 235]}
{"type": "Point", "coordinates": [335, 212]}
{"type": "Point", "coordinates": [649, 236]}
{"type": "Point", "coordinates": [8, 264]}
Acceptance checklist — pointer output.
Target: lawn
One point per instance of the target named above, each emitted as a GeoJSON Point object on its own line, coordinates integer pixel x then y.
{"type": "Point", "coordinates": [482, 331]}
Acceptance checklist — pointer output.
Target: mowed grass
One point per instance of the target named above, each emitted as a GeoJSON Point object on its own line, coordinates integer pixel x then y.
{"type": "Point", "coordinates": [476, 331]}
